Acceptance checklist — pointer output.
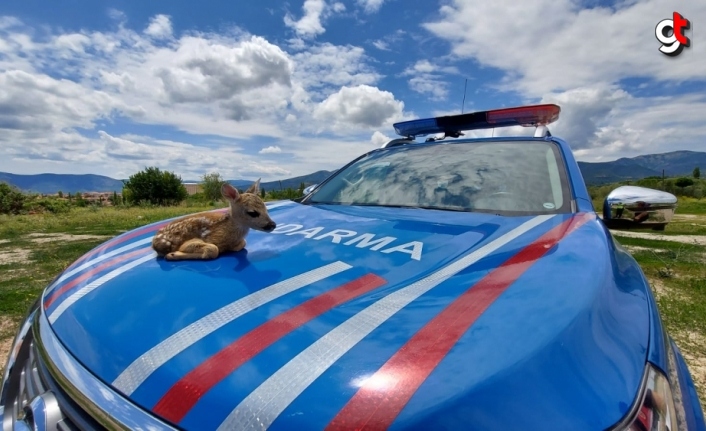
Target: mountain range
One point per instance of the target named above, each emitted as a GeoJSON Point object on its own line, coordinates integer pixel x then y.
{"type": "Point", "coordinates": [676, 163]}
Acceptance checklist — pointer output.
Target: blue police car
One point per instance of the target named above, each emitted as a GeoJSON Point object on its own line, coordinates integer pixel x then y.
{"type": "Point", "coordinates": [438, 283]}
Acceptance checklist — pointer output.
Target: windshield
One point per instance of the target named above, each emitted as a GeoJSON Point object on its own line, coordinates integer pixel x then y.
{"type": "Point", "coordinates": [501, 177]}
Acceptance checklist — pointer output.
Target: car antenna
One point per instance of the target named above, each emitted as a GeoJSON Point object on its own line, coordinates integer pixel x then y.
{"type": "Point", "coordinates": [463, 103]}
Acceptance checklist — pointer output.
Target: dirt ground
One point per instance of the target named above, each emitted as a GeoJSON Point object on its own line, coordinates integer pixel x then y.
{"type": "Point", "coordinates": [40, 238]}
{"type": "Point", "coordinates": [686, 239]}
{"type": "Point", "coordinates": [16, 255]}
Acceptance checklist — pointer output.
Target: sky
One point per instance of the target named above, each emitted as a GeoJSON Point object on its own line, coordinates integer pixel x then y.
{"type": "Point", "coordinates": [275, 89]}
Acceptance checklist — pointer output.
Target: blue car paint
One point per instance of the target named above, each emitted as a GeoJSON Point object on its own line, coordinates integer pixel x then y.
{"type": "Point", "coordinates": [578, 186]}
{"type": "Point", "coordinates": [548, 371]}
{"type": "Point", "coordinates": [484, 374]}
{"type": "Point", "coordinates": [692, 405]}
{"type": "Point", "coordinates": [166, 292]}
{"type": "Point", "coordinates": [136, 316]}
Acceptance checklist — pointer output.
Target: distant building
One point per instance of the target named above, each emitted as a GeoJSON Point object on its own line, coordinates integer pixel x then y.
{"type": "Point", "coordinates": [193, 188]}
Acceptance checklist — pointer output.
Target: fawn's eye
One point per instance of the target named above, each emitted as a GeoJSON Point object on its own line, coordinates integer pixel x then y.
{"type": "Point", "coordinates": [253, 214]}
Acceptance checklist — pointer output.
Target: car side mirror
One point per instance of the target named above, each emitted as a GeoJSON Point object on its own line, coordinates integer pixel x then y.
{"type": "Point", "coordinates": [632, 207]}
{"type": "Point", "coordinates": [309, 189]}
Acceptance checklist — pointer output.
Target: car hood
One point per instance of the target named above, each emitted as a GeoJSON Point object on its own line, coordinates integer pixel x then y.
{"type": "Point", "coordinates": [352, 316]}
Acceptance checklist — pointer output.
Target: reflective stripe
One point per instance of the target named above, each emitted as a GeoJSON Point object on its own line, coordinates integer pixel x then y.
{"type": "Point", "coordinates": [58, 311]}
{"type": "Point", "coordinates": [278, 204]}
{"type": "Point", "coordinates": [97, 260]}
{"type": "Point", "coordinates": [185, 393]}
{"type": "Point", "coordinates": [141, 368]}
{"type": "Point", "coordinates": [88, 274]}
{"type": "Point", "coordinates": [374, 408]}
{"type": "Point", "coordinates": [119, 240]}
{"type": "Point", "coordinates": [262, 406]}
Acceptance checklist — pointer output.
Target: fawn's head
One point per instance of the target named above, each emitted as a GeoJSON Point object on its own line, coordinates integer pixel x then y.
{"type": "Point", "coordinates": [248, 208]}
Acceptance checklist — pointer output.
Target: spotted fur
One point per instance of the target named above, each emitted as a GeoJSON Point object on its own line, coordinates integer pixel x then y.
{"type": "Point", "coordinates": [206, 235]}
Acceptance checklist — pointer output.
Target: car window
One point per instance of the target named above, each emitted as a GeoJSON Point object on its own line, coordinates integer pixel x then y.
{"type": "Point", "coordinates": [507, 177]}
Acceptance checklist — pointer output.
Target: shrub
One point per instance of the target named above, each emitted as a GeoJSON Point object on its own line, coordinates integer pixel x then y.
{"type": "Point", "coordinates": [47, 204]}
{"type": "Point", "coordinates": [211, 186]}
{"type": "Point", "coordinates": [684, 182]}
{"type": "Point", "coordinates": [287, 193]}
{"type": "Point", "coordinates": [155, 187]}
{"type": "Point", "coordinates": [11, 199]}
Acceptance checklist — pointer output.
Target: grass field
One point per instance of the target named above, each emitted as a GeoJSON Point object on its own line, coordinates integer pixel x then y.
{"type": "Point", "coordinates": [36, 248]}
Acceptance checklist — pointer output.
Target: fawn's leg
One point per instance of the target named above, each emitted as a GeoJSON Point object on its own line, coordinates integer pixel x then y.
{"type": "Point", "coordinates": [194, 249]}
{"type": "Point", "coordinates": [239, 246]}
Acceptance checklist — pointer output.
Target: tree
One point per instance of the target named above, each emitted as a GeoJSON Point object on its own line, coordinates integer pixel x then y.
{"type": "Point", "coordinates": [263, 193]}
{"type": "Point", "coordinates": [156, 187]}
{"type": "Point", "coordinates": [61, 194]}
{"type": "Point", "coordinates": [211, 186]}
{"type": "Point", "coordinates": [11, 199]}
{"type": "Point", "coordinates": [697, 173]}
{"type": "Point", "coordinates": [684, 182]}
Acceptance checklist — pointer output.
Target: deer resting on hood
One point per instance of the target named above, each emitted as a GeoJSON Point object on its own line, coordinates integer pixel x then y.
{"type": "Point", "coordinates": [206, 235]}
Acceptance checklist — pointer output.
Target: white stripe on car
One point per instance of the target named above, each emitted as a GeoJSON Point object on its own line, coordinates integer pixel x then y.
{"type": "Point", "coordinates": [142, 367]}
{"type": "Point", "coordinates": [262, 406]}
{"type": "Point", "coordinates": [90, 287]}
{"type": "Point", "coordinates": [100, 259]}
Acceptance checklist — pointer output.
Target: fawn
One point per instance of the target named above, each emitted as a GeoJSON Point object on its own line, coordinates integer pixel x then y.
{"type": "Point", "coordinates": [206, 235]}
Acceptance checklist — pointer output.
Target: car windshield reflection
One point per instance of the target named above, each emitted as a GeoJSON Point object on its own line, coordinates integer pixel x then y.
{"type": "Point", "coordinates": [501, 177]}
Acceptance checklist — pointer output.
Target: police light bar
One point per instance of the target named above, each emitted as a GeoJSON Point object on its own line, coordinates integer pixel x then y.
{"type": "Point", "coordinates": [452, 125]}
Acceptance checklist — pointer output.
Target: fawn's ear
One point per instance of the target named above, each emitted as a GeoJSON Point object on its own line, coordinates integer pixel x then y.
{"type": "Point", "coordinates": [254, 188]}
{"type": "Point", "coordinates": [229, 192]}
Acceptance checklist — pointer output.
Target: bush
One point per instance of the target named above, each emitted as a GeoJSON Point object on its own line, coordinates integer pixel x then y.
{"type": "Point", "coordinates": [684, 182]}
{"type": "Point", "coordinates": [211, 186]}
{"type": "Point", "coordinates": [11, 199]}
{"type": "Point", "coordinates": [52, 205]}
{"type": "Point", "coordinates": [287, 193]}
{"type": "Point", "coordinates": [155, 187]}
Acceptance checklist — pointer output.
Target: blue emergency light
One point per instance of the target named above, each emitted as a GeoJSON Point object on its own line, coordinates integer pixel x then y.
{"type": "Point", "coordinates": [453, 125]}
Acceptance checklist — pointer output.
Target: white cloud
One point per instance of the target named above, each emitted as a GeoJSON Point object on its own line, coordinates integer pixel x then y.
{"type": "Point", "coordinates": [584, 110]}
{"type": "Point", "coordinates": [74, 42]}
{"type": "Point", "coordinates": [116, 15]}
{"type": "Point", "coordinates": [569, 47]}
{"type": "Point", "coordinates": [254, 169]}
{"type": "Point", "coordinates": [381, 45]}
{"type": "Point", "coordinates": [434, 88]}
{"type": "Point", "coordinates": [219, 90]}
{"type": "Point", "coordinates": [328, 65]}
{"type": "Point", "coordinates": [649, 125]}
{"type": "Point", "coordinates": [361, 106]}
{"type": "Point", "coordinates": [35, 102]}
{"type": "Point", "coordinates": [426, 79]}
{"type": "Point", "coordinates": [315, 11]}
{"type": "Point", "coordinates": [579, 58]}
{"type": "Point", "coordinates": [160, 27]}
{"type": "Point", "coordinates": [371, 6]}
{"type": "Point", "coordinates": [248, 79]}
{"type": "Point", "coordinates": [270, 150]}
{"type": "Point", "coordinates": [379, 139]}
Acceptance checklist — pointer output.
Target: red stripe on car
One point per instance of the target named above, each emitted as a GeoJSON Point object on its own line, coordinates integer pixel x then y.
{"type": "Point", "coordinates": [181, 397]}
{"type": "Point", "coordinates": [50, 300]}
{"type": "Point", "coordinates": [383, 396]}
{"type": "Point", "coordinates": [114, 242]}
